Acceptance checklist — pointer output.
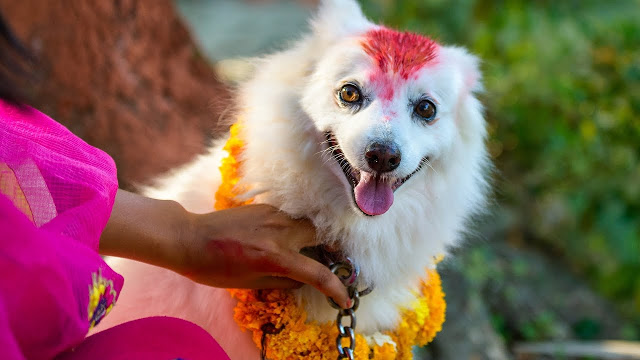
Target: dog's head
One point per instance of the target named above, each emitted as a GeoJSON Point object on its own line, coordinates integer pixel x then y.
{"type": "Point", "coordinates": [390, 104]}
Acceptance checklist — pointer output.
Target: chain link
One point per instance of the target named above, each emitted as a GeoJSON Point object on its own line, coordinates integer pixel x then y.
{"type": "Point", "coordinates": [348, 273]}
{"type": "Point", "coordinates": [348, 332]}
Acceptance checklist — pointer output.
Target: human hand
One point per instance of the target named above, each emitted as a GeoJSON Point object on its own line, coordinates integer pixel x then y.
{"type": "Point", "coordinates": [253, 246]}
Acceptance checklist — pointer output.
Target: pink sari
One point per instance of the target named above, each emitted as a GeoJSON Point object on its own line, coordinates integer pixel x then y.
{"type": "Point", "coordinates": [56, 195]}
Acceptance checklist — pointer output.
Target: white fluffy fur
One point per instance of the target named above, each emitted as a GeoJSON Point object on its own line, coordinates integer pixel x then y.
{"type": "Point", "coordinates": [286, 108]}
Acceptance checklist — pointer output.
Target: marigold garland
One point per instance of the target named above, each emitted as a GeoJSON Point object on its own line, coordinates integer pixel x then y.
{"type": "Point", "coordinates": [226, 195]}
{"type": "Point", "coordinates": [276, 312]}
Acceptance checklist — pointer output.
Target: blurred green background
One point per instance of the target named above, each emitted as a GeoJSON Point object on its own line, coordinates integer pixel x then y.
{"type": "Point", "coordinates": [560, 255]}
{"type": "Point", "coordinates": [562, 98]}
{"type": "Point", "coordinates": [563, 101]}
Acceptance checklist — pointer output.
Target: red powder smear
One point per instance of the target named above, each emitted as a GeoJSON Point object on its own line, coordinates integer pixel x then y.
{"type": "Point", "coordinates": [397, 53]}
{"type": "Point", "coordinates": [231, 251]}
{"type": "Point", "coordinates": [402, 53]}
{"type": "Point", "coordinates": [384, 84]}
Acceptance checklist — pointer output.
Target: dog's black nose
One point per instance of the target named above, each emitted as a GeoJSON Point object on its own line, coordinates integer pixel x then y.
{"type": "Point", "coordinates": [382, 157]}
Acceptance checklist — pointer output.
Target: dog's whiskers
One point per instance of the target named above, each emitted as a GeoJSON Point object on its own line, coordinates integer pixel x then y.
{"type": "Point", "coordinates": [428, 162]}
{"type": "Point", "coordinates": [328, 149]}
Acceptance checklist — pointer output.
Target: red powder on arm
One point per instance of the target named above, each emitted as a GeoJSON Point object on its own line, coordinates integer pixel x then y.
{"type": "Point", "coordinates": [238, 259]}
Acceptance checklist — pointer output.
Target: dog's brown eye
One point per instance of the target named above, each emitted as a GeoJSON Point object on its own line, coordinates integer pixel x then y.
{"type": "Point", "coordinates": [427, 110]}
{"type": "Point", "coordinates": [350, 93]}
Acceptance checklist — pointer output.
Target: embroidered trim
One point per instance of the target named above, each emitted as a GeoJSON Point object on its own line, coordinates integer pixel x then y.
{"type": "Point", "coordinates": [102, 298]}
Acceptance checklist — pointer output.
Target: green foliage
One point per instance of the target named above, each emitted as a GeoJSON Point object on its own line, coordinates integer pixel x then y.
{"type": "Point", "coordinates": [587, 329]}
{"type": "Point", "coordinates": [562, 93]}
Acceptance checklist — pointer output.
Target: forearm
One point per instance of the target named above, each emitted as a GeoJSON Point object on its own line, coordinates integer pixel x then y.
{"type": "Point", "coordinates": [144, 229]}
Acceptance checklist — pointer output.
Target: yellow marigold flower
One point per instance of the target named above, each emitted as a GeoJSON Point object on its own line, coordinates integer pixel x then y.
{"type": "Point", "coordinates": [275, 319]}
{"type": "Point", "coordinates": [384, 352]}
{"type": "Point", "coordinates": [226, 196]}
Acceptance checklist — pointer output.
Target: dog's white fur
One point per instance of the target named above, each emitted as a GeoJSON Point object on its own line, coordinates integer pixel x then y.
{"type": "Point", "coordinates": [286, 108]}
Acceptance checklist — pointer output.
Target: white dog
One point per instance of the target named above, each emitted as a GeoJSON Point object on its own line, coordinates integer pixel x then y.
{"type": "Point", "coordinates": [374, 135]}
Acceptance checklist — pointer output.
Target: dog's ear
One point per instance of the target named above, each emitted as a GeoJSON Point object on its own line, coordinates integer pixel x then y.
{"type": "Point", "coordinates": [467, 65]}
{"type": "Point", "coordinates": [338, 19]}
{"type": "Point", "coordinates": [468, 80]}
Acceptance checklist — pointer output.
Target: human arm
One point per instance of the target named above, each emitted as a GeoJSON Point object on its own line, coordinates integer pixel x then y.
{"type": "Point", "coordinates": [253, 246]}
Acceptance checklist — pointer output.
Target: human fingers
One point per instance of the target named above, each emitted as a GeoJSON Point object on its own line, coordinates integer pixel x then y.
{"type": "Point", "coordinates": [304, 234]}
{"type": "Point", "coordinates": [309, 271]}
{"type": "Point", "coordinates": [294, 233]}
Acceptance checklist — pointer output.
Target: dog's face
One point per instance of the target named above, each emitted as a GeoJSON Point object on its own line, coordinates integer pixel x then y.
{"type": "Point", "coordinates": [387, 103]}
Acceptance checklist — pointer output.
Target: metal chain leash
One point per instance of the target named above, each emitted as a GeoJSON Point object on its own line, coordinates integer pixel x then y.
{"type": "Point", "coordinates": [348, 273]}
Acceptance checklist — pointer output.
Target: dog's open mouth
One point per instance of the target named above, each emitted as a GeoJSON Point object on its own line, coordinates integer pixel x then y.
{"type": "Point", "coordinates": [372, 193]}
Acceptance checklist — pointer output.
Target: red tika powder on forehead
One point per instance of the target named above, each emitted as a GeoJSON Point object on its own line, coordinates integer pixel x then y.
{"type": "Point", "coordinates": [402, 53]}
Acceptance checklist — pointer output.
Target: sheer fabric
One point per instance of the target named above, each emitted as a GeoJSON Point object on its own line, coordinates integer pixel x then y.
{"type": "Point", "coordinates": [56, 195]}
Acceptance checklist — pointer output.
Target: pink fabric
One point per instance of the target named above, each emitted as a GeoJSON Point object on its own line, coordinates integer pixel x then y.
{"type": "Point", "coordinates": [150, 339]}
{"type": "Point", "coordinates": [44, 287]}
{"type": "Point", "coordinates": [61, 175]}
{"type": "Point", "coordinates": [56, 195]}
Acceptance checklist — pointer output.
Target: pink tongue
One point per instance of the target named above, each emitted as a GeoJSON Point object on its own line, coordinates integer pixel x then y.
{"type": "Point", "coordinates": [373, 196]}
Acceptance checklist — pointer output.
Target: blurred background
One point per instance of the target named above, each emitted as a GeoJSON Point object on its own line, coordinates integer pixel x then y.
{"type": "Point", "coordinates": [558, 260]}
